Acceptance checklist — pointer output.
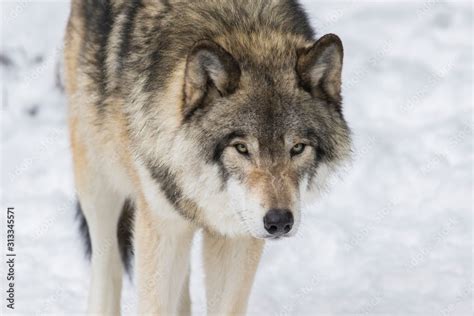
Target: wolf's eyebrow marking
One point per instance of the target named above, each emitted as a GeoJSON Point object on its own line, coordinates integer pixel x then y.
{"type": "Point", "coordinates": [312, 136]}
{"type": "Point", "coordinates": [234, 134]}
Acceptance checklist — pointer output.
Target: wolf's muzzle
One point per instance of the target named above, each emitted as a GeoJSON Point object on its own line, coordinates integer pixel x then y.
{"type": "Point", "coordinates": [278, 222]}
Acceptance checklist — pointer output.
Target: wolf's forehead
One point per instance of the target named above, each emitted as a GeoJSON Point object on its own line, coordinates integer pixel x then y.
{"type": "Point", "coordinates": [267, 122]}
{"type": "Point", "coordinates": [262, 112]}
{"type": "Point", "coordinates": [272, 112]}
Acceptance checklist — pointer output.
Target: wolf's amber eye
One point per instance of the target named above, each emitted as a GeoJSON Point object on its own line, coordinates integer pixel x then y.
{"type": "Point", "coordinates": [241, 148]}
{"type": "Point", "coordinates": [297, 149]}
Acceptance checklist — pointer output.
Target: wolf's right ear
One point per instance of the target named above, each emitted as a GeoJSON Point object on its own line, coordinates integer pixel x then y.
{"type": "Point", "coordinates": [319, 68]}
{"type": "Point", "coordinates": [208, 67]}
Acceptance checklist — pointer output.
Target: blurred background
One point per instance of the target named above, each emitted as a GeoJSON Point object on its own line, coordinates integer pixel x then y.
{"type": "Point", "coordinates": [392, 236]}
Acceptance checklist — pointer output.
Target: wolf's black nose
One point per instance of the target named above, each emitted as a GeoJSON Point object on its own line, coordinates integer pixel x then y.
{"type": "Point", "coordinates": [278, 221]}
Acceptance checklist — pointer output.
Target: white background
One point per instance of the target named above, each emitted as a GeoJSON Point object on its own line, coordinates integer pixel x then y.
{"type": "Point", "coordinates": [393, 235]}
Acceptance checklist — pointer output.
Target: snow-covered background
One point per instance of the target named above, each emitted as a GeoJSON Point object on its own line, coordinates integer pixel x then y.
{"type": "Point", "coordinates": [393, 235]}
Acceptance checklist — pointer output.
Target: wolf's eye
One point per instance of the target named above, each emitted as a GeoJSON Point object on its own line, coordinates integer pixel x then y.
{"type": "Point", "coordinates": [241, 148]}
{"type": "Point", "coordinates": [297, 149]}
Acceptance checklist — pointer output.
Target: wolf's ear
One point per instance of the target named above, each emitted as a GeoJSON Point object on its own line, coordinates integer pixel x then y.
{"type": "Point", "coordinates": [208, 67]}
{"type": "Point", "coordinates": [319, 67]}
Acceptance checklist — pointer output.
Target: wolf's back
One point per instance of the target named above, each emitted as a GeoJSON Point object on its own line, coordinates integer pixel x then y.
{"type": "Point", "coordinates": [126, 39]}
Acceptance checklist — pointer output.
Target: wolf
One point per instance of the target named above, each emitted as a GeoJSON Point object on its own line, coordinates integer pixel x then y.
{"type": "Point", "coordinates": [219, 116]}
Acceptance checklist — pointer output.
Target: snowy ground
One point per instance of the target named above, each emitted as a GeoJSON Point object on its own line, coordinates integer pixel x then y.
{"type": "Point", "coordinates": [392, 237]}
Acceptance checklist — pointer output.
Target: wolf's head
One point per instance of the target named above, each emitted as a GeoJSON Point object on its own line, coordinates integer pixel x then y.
{"type": "Point", "coordinates": [269, 133]}
{"type": "Point", "coordinates": [255, 136]}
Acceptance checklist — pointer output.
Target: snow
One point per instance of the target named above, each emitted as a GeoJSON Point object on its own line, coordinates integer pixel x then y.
{"type": "Point", "coordinates": [393, 234]}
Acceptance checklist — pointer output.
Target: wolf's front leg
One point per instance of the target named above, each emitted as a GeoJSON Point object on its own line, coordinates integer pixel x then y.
{"type": "Point", "coordinates": [162, 262]}
{"type": "Point", "coordinates": [230, 265]}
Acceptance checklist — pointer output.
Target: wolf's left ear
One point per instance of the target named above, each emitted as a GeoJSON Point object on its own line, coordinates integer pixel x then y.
{"type": "Point", "coordinates": [319, 67]}
{"type": "Point", "coordinates": [209, 69]}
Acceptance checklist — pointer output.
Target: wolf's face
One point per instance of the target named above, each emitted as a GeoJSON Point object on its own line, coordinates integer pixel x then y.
{"type": "Point", "coordinates": [267, 160]}
{"type": "Point", "coordinates": [268, 140]}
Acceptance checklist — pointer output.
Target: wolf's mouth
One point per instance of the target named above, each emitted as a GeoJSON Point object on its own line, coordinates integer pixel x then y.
{"type": "Point", "coordinates": [272, 237]}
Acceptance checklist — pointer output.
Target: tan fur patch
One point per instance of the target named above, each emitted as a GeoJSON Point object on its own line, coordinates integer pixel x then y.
{"type": "Point", "coordinates": [274, 189]}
